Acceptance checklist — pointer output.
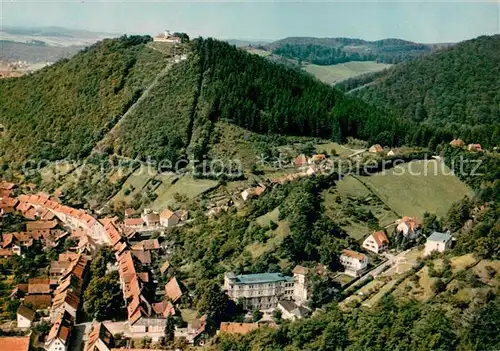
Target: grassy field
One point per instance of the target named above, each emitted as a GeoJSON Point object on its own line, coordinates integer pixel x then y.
{"type": "Point", "coordinates": [336, 73]}
{"type": "Point", "coordinates": [134, 184]}
{"type": "Point", "coordinates": [341, 150]}
{"type": "Point", "coordinates": [186, 186]}
{"type": "Point", "coordinates": [276, 238]}
{"type": "Point", "coordinates": [351, 193]}
{"type": "Point", "coordinates": [416, 187]}
{"type": "Point", "coordinates": [269, 217]}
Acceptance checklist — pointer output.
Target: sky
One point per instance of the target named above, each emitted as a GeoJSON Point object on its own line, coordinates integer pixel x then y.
{"type": "Point", "coordinates": [421, 21]}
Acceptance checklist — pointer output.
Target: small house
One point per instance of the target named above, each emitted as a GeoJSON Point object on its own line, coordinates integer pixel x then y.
{"type": "Point", "coordinates": [291, 311]}
{"type": "Point", "coordinates": [354, 263]}
{"type": "Point", "coordinates": [457, 143]}
{"type": "Point", "coordinates": [375, 149]}
{"type": "Point", "coordinates": [59, 335]}
{"type": "Point", "coordinates": [474, 147]}
{"type": "Point", "coordinates": [376, 242]}
{"type": "Point", "coordinates": [99, 339]}
{"type": "Point", "coordinates": [300, 161]}
{"type": "Point", "coordinates": [408, 226]}
{"type": "Point", "coordinates": [439, 242]}
{"type": "Point", "coordinates": [25, 317]}
{"type": "Point", "coordinates": [168, 218]}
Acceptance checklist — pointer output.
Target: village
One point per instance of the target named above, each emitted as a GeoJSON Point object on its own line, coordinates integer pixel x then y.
{"type": "Point", "coordinates": [141, 236]}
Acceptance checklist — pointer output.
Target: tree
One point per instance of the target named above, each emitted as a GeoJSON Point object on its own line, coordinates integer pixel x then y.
{"type": "Point", "coordinates": [103, 297]}
{"type": "Point", "coordinates": [256, 315]}
{"type": "Point", "coordinates": [212, 300]}
{"type": "Point", "coordinates": [169, 329]}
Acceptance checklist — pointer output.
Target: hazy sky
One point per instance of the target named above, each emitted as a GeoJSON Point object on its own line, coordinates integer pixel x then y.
{"type": "Point", "coordinates": [423, 21]}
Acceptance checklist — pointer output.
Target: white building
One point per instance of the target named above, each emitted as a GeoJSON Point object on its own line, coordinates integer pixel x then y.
{"type": "Point", "coordinates": [291, 311]}
{"type": "Point", "coordinates": [408, 226]}
{"type": "Point", "coordinates": [300, 293]}
{"type": "Point", "coordinates": [25, 317]}
{"type": "Point", "coordinates": [167, 37]}
{"type": "Point", "coordinates": [376, 242]}
{"type": "Point", "coordinates": [439, 242]}
{"type": "Point", "coordinates": [354, 262]}
{"type": "Point", "coordinates": [259, 291]}
{"type": "Point", "coordinates": [168, 218]}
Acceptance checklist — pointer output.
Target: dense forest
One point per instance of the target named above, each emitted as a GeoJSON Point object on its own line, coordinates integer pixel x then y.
{"type": "Point", "coordinates": [455, 89]}
{"type": "Point", "coordinates": [63, 110]}
{"type": "Point", "coordinates": [331, 51]}
{"type": "Point", "coordinates": [394, 325]}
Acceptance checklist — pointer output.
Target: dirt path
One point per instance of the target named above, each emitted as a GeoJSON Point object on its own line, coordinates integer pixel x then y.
{"type": "Point", "coordinates": [99, 146]}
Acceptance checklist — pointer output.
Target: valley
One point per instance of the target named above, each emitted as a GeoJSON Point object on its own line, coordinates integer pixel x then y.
{"type": "Point", "coordinates": [188, 194]}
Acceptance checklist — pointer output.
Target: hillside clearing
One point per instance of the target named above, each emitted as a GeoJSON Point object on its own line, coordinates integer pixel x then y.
{"type": "Point", "coordinates": [416, 187]}
{"type": "Point", "coordinates": [186, 186]}
{"type": "Point", "coordinates": [336, 73]}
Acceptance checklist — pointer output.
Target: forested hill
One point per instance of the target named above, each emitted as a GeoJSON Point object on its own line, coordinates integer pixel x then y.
{"type": "Point", "coordinates": [63, 110]}
{"type": "Point", "coordinates": [219, 82]}
{"type": "Point", "coordinates": [454, 89]}
{"type": "Point", "coordinates": [331, 51]}
{"type": "Point", "coordinates": [66, 110]}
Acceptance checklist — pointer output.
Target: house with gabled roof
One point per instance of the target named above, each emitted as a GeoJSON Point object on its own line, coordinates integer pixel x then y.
{"type": "Point", "coordinates": [38, 302]}
{"type": "Point", "coordinates": [376, 149]}
{"type": "Point", "coordinates": [196, 332]}
{"type": "Point", "coordinates": [169, 218]}
{"type": "Point", "coordinates": [173, 290]}
{"type": "Point", "coordinates": [99, 339]}
{"type": "Point", "coordinates": [291, 311]}
{"type": "Point", "coordinates": [408, 226]}
{"type": "Point", "coordinates": [39, 286]}
{"type": "Point", "coordinates": [437, 242]}
{"type": "Point", "coordinates": [376, 242]}
{"type": "Point", "coordinates": [25, 316]}
{"type": "Point", "coordinates": [59, 335]}
{"type": "Point", "coordinates": [354, 263]}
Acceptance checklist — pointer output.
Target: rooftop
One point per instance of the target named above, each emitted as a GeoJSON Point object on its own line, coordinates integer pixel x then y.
{"type": "Point", "coordinates": [15, 343]}
{"type": "Point", "coordinates": [436, 236]}
{"type": "Point", "coordinates": [260, 278]}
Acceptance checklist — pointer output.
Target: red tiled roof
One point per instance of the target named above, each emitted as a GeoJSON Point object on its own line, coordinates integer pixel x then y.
{"type": "Point", "coordinates": [99, 332]}
{"type": "Point", "coordinates": [36, 225]}
{"type": "Point", "coordinates": [133, 222]}
{"type": "Point", "coordinates": [39, 286]}
{"type": "Point", "coordinates": [15, 343]}
{"type": "Point", "coordinates": [166, 214]}
{"type": "Point", "coordinates": [6, 252]}
{"type": "Point", "coordinates": [7, 185]}
{"type": "Point", "coordinates": [60, 328]}
{"type": "Point", "coordinates": [301, 160]}
{"type": "Point", "coordinates": [173, 290]}
{"type": "Point", "coordinates": [354, 254]}
{"type": "Point", "coordinates": [380, 238]}
{"type": "Point", "coordinates": [238, 328]}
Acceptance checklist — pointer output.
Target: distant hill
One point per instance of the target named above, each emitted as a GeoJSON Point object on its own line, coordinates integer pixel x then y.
{"type": "Point", "coordinates": [34, 52]}
{"type": "Point", "coordinates": [63, 110]}
{"type": "Point", "coordinates": [457, 89]}
{"type": "Point", "coordinates": [44, 44]}
{"type": "Point", "coordinates": [330, 51]}
{"type": "Point", "coordinates": [243, 43]}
